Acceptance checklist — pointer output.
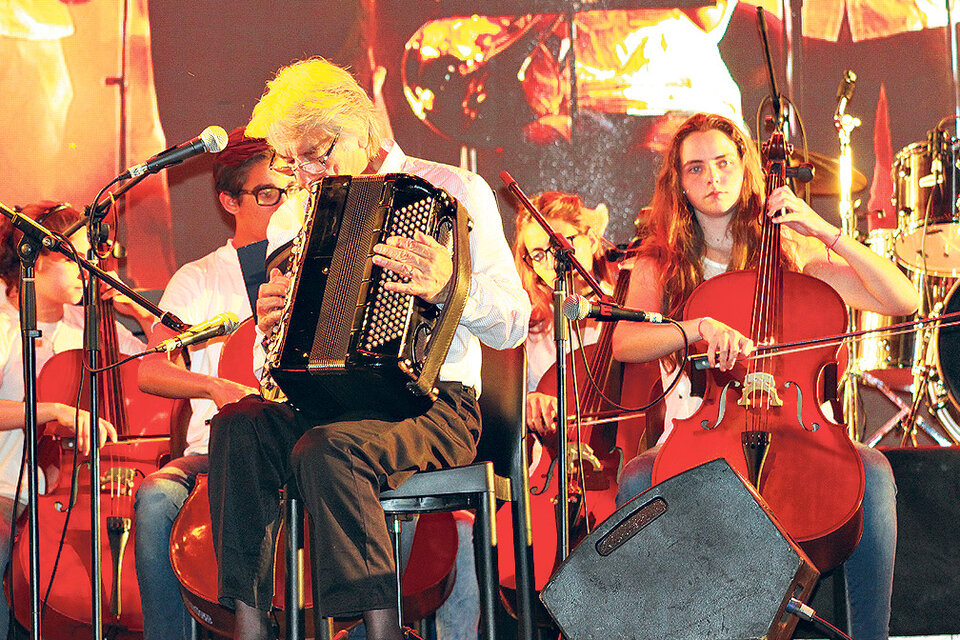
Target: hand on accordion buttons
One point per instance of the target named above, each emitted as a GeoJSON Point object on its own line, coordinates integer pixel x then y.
{"type": "Point", "coordinates": [270, 300]}
{"type": "Point", "coordinates": [422, 261]}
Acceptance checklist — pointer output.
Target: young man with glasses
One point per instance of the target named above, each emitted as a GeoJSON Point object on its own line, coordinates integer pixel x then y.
{"type": "Point", "coordinates": [250, 192]}
{"type": "Point", "coordinates": [320, 122]}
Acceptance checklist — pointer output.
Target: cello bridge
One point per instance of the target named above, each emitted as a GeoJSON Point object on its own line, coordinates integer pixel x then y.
{"type": "Point", "coordinates": [760, 383]}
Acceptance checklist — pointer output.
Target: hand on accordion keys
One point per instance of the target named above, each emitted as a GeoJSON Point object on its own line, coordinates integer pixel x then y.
{"type": "Point", "coordinates": [424, 262]}
{"type": "Point", "coordinates": [270, 300]}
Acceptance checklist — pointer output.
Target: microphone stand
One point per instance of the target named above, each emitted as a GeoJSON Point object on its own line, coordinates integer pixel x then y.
{"type": "Point", "coordinates": [91, 344]}
{"type": "Point", "coordinates": [35, 239]}
{"type": "Point", "coordinates": [565, 260]}
{"type": "Point", "coordinates": [28, 250]}
{"type": "Point", "coordinates": [845, 125]}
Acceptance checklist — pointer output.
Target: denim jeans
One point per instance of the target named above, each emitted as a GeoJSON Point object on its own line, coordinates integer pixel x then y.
{"type": "Point", "coordinates": [868, 570]}
{"type": "Point", "coordinates": [6, 513]}
{"type": "Point", "coordinates": [159, 499]}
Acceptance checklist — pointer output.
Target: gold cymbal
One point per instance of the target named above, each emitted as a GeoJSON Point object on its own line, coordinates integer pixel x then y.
{"type": "Point", "coordinates": [826, 174]}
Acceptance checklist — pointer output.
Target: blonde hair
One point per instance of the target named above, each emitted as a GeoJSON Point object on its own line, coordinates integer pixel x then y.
{"type": "Point", "coordinates": [312, 97]}
{"type": "Point", "coordinates": [591, 223]}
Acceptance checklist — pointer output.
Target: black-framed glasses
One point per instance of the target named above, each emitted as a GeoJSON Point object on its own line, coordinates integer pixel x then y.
{"type": "Point", "coordinates": [266, 196]}
{"type": "Point", "coordinates": [52, 210]}
{"type": "Point", "coordinates": [537, 256]}
{"type": "Point", "coordinates": [289, 166]}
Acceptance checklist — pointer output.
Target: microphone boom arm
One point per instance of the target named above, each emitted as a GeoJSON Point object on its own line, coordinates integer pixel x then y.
{"type": "Point", "coordinates": [49, 240]}
{"type": "Point", "coordinates": [558, 241]}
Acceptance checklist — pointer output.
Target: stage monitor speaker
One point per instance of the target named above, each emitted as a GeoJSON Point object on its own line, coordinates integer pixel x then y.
{"type": "Point", "coordinates": [926, 577]}
{"type": "Point", "coordinates": [697, 557]}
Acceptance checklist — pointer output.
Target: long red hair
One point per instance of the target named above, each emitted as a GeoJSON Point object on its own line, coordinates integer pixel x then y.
{"type": "Point", "coordinates": [671, 234]}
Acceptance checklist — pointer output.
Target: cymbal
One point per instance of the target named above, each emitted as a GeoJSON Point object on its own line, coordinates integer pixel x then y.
{"type": "Point", "coordinates": [826, 174]}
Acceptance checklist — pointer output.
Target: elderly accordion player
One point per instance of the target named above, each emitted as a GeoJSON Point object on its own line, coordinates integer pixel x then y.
{"type": "Point", "coordinates": [343, 341]}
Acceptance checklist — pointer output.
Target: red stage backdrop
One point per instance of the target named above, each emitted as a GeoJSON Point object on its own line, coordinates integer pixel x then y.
{"type": "Point", "coordinates": [456, 83]}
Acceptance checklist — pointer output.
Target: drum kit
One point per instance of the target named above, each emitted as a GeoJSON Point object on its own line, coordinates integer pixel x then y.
{"type": "Point", "coordinates": [921, 364]}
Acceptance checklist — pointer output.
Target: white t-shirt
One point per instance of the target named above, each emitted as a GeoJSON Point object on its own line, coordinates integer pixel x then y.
{"type": "Point", "coordinates": [679, 403]}
{"type": "Point", "coordinates": [198, 291]}
{"type": "Point", "coordinates": [56, 337]}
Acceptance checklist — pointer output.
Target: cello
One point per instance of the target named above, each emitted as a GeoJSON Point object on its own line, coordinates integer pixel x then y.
{"type": "Point", "coordinates": [764, 416]}
{"type": "Point", "coordinates": [603, 449]}
{"type": "Point", "coordinates": [143, 424]}
{"type": "Point", "coordinates": [426, 582]}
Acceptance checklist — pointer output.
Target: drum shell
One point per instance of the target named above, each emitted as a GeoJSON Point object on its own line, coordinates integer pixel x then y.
{"type": "Point", "coordinates": [944, 389]}
{"type": "Point", "coordinates": [925, 194]}
{"type": "Point", "coordinates": [889, 357]}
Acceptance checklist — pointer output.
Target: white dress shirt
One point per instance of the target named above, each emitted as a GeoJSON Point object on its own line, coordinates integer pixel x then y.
{"type": "Point", "coordinates": [497, 309]}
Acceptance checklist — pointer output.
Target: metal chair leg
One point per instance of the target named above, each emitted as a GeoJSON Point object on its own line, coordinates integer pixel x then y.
{"type": "Point", "coordinates": [485, 548]}
{"type": "Point", "coordinates": [395, 530]}
{"type": "Point", "coordinates": [293, 553]}
{"type": "Point", "coordinates": [194, 629]}
{"type": "Point", "coordinates": [526, 588]}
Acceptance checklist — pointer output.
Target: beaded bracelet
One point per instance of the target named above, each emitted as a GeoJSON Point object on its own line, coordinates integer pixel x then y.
{"type": "Point", "coordinates": [700, 323]}
{"type": "Point", "coordinates": [832, 245]}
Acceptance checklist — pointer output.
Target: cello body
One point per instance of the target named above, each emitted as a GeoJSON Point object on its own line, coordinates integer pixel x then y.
{"type": "Point", "coordinates": [69, 607]}
{"type": "Point", "coordinates": [143, 423]}
{"type": "Point", "coordinates": [803, 479]}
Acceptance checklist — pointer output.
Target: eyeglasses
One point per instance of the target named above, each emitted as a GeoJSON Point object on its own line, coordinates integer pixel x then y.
{"type": "Point", "coordinates": [266, 196]}
{"type": "Point", "coordinates": [538, 256]}
{"type": "Point", "coordinates": [52, 210]}
{"type": "Point", "coordinates": [289, 166]}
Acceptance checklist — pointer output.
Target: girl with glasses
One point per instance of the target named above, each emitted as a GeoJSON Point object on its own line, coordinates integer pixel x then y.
{"type": "Point", "coordinates": [584, 228]}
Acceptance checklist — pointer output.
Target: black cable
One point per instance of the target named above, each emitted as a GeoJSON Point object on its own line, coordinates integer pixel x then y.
{"type": "Point", "coordinates": [659, 398]}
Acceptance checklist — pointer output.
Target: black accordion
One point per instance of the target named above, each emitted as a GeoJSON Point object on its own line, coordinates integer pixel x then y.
{"type": "Point", "coordinates": [344, 343]}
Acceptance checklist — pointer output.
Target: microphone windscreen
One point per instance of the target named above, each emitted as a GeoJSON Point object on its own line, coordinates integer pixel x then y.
{"type": "Point", "coordinates": [231, 322]}
{"type": "Point", "coordinates": [214, 139]}
{"type": "Point", "coordinates": [575, 307]}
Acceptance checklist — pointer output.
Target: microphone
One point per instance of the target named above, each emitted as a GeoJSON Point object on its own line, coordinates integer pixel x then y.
{"type": "Point", "coordinates": [576, 307]}
{"type": "Point", "coordinates": [212, 139]}
{"type": "Point", "coordinates": [845, 91]}
{"type": "Point", "coordinates": [218, 325]}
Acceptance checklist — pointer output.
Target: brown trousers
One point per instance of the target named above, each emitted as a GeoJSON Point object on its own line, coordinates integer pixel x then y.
{"type": "Point", "coordinates": [340, 467]}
